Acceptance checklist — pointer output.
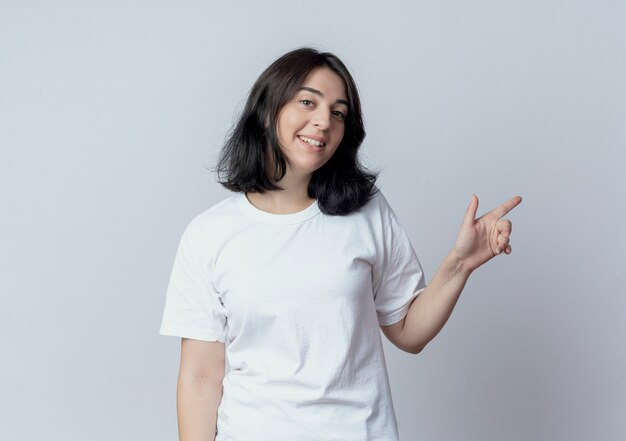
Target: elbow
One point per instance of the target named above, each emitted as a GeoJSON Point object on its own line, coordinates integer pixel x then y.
{"type": "Point", "coordinates": [415, 349]}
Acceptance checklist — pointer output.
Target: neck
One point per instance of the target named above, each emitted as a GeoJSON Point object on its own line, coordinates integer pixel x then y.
{"type": "Point", "coordinates": [292, 199]}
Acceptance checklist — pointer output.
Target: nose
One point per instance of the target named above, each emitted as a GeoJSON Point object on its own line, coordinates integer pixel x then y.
{"type": "Point", "coordinates": [321, 119]}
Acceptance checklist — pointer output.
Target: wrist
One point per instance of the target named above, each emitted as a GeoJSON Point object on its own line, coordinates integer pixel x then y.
{"type": "Point", "coordinates": [458, 265]}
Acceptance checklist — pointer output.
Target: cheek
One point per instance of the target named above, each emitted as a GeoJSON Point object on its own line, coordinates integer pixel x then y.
{"type": "Point", "coordinates": [339, 133]}
{"type": "Point", "coordinates": [287, 126]}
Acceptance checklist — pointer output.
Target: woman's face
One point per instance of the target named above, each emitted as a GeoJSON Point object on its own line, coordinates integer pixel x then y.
{"type": "Point", "coordinates": [311, 125]}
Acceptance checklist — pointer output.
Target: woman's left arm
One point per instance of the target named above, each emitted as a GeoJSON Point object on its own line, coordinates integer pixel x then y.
{"type": "Point", "coordinates": [479, 240]}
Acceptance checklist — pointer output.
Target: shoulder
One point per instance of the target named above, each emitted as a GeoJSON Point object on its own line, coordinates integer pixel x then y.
{"type": "Point", "coordinates": [378, 211]}
{"type": "Point", "coordinates": [205, 227]}
{"type": "Point", "coordinates": [219, 212]}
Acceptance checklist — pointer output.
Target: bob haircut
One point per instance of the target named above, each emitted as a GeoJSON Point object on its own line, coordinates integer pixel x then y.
{"type": "Point", "coordinates": [342, 185]}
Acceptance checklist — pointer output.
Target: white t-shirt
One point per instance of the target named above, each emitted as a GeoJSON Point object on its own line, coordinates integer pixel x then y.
{"type": "Point", "coordinates": [298, 299]}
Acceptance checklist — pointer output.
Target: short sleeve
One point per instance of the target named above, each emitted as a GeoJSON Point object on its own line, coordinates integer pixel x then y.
{"type": "Point", "coordinates": [397, 275]}
{"type": "Point", "coordinates": [193, 308]}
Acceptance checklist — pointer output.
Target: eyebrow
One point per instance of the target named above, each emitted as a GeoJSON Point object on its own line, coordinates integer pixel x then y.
{"type": "Point", "coordinates": [317, 92]}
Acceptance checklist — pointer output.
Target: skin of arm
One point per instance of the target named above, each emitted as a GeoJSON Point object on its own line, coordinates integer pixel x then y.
{"type": "Point", "coordinates": [479, 240]}
{"type": "Point", "coordinates": [430, 311]}
{"type": "Point", "coordinates": [199, 389]}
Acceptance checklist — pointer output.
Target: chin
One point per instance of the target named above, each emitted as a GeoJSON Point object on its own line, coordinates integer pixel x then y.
{"type": "Point", "coordinates": [307, 169]}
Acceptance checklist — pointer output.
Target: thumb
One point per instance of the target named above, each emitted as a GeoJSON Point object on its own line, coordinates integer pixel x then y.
{"type": "Point", "coordinates": [470, 213]}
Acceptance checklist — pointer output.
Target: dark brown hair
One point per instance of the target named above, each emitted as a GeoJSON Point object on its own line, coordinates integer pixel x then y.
{"type": "Point", "coordinates": [342, 185]}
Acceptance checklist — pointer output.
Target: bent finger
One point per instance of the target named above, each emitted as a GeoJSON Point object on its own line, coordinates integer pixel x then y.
{"type": "Point", "coordinates": [503, 241]}
{"type": "Point", "coordinates": [505, 227]}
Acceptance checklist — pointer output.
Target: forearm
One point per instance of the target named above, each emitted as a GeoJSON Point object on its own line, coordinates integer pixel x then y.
{"type": "Point", "coordinates": [430, 311]}
{"type": "Point", "coordinates": [197, 401]}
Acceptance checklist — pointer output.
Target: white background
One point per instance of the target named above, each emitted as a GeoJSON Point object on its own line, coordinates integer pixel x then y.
{"type": "Point", "coordinates": [112, 112]}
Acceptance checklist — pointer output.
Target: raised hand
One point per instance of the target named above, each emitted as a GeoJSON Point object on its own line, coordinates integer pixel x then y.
{"type": "Point", "coordinates": [479, 240]}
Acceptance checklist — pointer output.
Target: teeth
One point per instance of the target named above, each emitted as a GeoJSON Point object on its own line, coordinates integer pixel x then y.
{"type": "Point", "coordinates": [312, 141]}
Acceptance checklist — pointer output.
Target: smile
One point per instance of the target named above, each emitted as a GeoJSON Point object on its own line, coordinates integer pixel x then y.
{"type": "Point", "coordinates": [312, 142]}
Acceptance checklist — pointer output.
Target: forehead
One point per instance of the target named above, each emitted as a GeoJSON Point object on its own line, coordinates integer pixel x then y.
{"type": "Point", "coordinates": [328, 82]}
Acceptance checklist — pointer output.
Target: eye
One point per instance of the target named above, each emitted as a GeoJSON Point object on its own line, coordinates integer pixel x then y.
{"type": "Point", "coordinates": [339, 114]}
{"type": "Point", "coordinates": [306, 102]}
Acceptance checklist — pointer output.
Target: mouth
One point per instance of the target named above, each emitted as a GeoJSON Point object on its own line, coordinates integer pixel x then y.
{"type": "Point", "coordinates": [311, 141]}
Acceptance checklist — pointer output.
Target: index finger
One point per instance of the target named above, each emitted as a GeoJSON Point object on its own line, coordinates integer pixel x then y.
{"type": "Point", "coordinates": [506, 207]}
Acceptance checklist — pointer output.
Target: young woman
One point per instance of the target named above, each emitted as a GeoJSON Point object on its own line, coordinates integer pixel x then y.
{"type": "Point", "coordinates": [300, 268]}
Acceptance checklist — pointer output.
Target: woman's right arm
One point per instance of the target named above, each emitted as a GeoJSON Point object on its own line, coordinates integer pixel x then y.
{"type": "Point", "coordinates": [199, 389]}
